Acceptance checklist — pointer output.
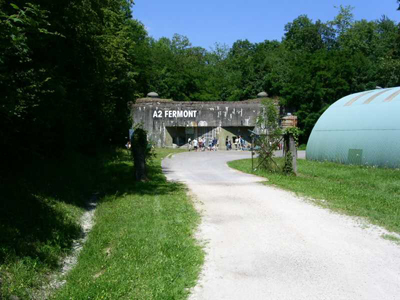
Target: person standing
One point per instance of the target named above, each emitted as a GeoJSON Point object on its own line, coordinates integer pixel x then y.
{"type": "Point", "coordinates": [128, 146]}
{"type": "Point", "coordinates": [214, 144]}
{"type": "Point", "coordinates": [195, 145]}
{"type": "Point", "coordinates": [189, 144]}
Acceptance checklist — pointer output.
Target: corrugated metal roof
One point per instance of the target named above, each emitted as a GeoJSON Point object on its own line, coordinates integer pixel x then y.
{"type": "Point", "coordinates": [381, 95]}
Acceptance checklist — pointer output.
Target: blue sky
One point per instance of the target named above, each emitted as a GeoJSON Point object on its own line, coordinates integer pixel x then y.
{"type": "Point", "coordinates": [225, 21]}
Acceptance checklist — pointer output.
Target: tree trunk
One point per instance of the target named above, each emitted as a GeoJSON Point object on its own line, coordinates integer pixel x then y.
{"type": "Point", "coordinates": [293, 150]}
{"type": "Point", "coordinates": [139, 148]}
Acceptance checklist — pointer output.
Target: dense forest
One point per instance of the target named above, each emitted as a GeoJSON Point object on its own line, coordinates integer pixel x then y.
{"type": "Point", "coordinates": [69, 68]}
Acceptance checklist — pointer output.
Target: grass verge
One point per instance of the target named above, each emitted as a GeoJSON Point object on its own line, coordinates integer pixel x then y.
{"type": "Point", "coordinates": [373, 193]}
{"type": "Point", "coordinates": [40, 208]}
{"type": "Point", "coordinates": [142, 245]}
{"type": "Point", "coordinates": [392, 238]}
{"type": "Point", "coordinates": [146, 230]}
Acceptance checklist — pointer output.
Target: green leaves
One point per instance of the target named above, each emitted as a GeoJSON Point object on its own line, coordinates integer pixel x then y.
{"type": "Point", "coordinates": [267, 142]}
{"type": "Point", "coordinates": [67, 71]}
{"type": "Point", "coordinates": [98, 58]}
{"type": "Point", "coordinates": [14, 6]}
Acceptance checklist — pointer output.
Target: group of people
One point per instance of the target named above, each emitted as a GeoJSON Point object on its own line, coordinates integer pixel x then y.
{"type": "Point", "coordinates": [203, 144]}
{"type": "Point", "coordinates": [238, 142]}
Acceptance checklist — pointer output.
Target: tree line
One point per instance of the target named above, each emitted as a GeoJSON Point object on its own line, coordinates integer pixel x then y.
{"type": "Point", "coordinates": [315, 64]}
{"type": "Point", "coordinates": [69, 68]}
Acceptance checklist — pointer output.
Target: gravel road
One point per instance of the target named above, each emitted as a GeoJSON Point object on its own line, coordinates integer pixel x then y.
{"type": "Point", "coordinates": [265, 243]}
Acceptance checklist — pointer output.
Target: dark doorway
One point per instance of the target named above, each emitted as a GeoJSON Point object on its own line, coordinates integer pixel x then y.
{"type": "Point", "coordinates": [244, 132]}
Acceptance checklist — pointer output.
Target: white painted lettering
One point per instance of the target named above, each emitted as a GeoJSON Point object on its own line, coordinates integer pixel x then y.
{"type": "Point", "coordinates": [175, 114]}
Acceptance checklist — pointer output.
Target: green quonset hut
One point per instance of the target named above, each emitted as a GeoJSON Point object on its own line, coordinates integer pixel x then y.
{"type": "Point", "coordinates": [360, 129]}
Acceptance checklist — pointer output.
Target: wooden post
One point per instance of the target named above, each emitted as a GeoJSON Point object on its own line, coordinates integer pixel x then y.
{"type": "Point", "coordinates": [252, 153]}
{"type": "Point", "coordinates": [139, 148]}
{"type": "Point", "coordinates": [293, 150]}
{"type": "Point", "coordinates": [289, 146]}
{"type": "Point", "coordinates": [290, 121]}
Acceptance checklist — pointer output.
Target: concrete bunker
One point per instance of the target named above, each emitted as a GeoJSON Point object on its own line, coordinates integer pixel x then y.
{"type": "Point", "coordinates": [171, 123]}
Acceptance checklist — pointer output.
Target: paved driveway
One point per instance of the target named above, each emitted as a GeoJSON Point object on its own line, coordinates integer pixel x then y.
{"type": "Point", "coordinates": [265, 243]}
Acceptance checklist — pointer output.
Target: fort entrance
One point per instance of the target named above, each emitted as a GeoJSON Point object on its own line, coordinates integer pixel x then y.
{"type": "Point", "coordinates": [171, 123]}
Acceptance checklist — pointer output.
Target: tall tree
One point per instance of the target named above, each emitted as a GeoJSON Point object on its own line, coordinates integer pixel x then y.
{"type": "Point", "coordinates": [67, 71]}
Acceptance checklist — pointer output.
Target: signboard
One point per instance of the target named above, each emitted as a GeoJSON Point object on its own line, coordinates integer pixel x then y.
{"type": "Point", "coordinates": [175, 114]}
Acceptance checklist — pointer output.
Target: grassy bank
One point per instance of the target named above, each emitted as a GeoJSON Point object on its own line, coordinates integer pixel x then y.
{"type": "Point", "coordinates": [373, 193]}
{"type": "Point", "coordinates": [142, 245]}
{"type": "Point", "coordinates": [40, 208]}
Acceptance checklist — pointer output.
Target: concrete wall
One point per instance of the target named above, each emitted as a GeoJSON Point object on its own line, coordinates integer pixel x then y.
{"type": "Point", "coordinates": [228, 118]}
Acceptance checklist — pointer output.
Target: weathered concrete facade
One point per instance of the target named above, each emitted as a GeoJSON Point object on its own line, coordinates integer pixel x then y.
{"type": "Point", "coordinates": [172, 123]}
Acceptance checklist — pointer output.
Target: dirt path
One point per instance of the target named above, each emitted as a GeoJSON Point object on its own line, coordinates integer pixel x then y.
{"type": "Point", "coordinates": [265, 243]}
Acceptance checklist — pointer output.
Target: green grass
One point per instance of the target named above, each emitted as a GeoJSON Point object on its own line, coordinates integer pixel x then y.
{"type": "Point", "coordinates": [142, 245]}
{"type": "Point", "coordinates": [40, 209]}
{"type": "Point", "coordinates": [392, 238]}
{"type": "Point", "coordinates": [373, 193]}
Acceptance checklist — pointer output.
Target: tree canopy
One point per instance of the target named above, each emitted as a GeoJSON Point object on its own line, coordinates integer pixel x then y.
{"type": "Point", "coordinates": [69, 68]}
{"type": "Point", "coordinates": [67, 71]}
